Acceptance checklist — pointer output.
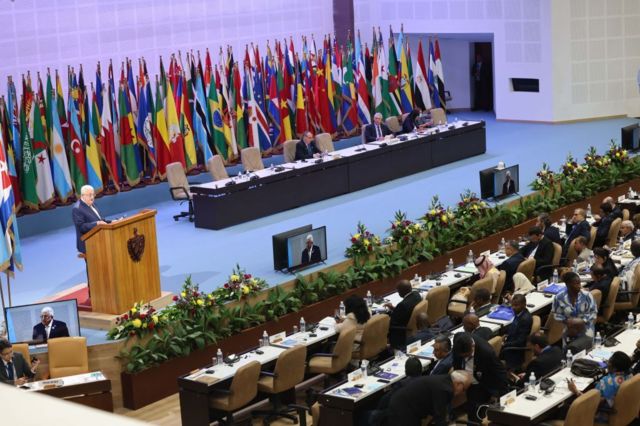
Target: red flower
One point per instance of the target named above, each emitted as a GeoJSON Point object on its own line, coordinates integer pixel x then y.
{"type": "Point", "coordinates": [151, 325]}
{"type": "Point", "coordinates": [393, 226]}
{"type": "Point", "coordinates": [175, 298]}
{"type": "Point", "coordinates": [226, 285]}
{"type": "Point", "coordinates": [195, 294]}
{"type": "Point", "coordinates": [370, 248]}
{"type": "Point", "coordinates": [125, 317]}
{"type": "Point", "coordinates": [406, 239]}
{"type": "Point", "coordinates": [132, 333]}
{"type": "Point", "coordinates": [353, 240]}
{"type": "Point", "coordinates": [143, 316]}
{"type": "Point", "coordinates": [247, 276]}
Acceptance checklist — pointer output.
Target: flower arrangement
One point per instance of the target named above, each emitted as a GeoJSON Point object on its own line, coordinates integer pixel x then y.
{"type": "Point", "coordinates": [139, 320]}
{"type": "Point", "coordinates": [239, 285]}
{"type": "Point", "coordinates": [596, 161]}
{"type": "Point", "coordinates": [191, 298]}
{"type": "Point", "coordinates": [437, 216]}
{"type": "Point", "coordinates": [403, 231]}
{"type": "Point", "coordinates": [617, 154]}
{"type": "Point", "coordinates": [363, 243]}
{"type": "Point", "coordinates": [545, 179]}
{"type": "Point", "coordinates": [571, 169]}
{"type": "Point", "coordinates": [470, 205]}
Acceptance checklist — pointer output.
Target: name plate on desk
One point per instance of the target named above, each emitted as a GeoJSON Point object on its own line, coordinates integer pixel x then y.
{"type": "Point", "coordinates": [508, 398]}
{"type": "Point", "coordinates": [414, 347]}
{"type": "Point", "coordinates": [355, 375]}
{"type": "Point", "coordinates": [278, 337]}
{"type": "Point", "coordinates": [621, 198]}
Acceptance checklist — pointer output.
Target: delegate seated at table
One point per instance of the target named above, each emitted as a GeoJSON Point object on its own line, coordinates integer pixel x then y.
{"type": "Point", "coordinates": [412, 122]}
{"type": "Point", "coordinates": [306, 147]}
{"type": "Point", "coordinates": [376, 131]}
{"type": "Point", "coordinates": [13, 367]}
{"type": "Point", "coordinates": [574, 302]}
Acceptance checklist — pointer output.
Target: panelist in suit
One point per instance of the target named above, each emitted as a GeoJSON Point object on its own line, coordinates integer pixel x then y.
{"type": "Point", "coordinates": [510, 265]}
{"type": "Point", "coordinates": [14, 369]}
{"type": "Point", "coordinates": [603, 223]}
{"type": "Point", "coordinates": [517, 333]}
{"type": "Point", "coordinates": [86, 216]}
{"type": "Point", "coordinates": [376, 131]}
{"type": "Point", "coordinates": [576, 227]}
{"type": "Point", "coordinates": [545, 223]}
{"type": "Point", "coordinates": [541, 249]}
{"type": "Point", "coordinates": [401, 314]}
{"type": "Point", "coordinates": [443, 355]}
{"type": "Point", "coordinates": [48, 328]}
{"type": "Point", "coordinates": [412, 121]}
{"type": "Point", "coordinates": [311, 253]}
{"type": "Point", "coordinates": [306, 147]}
{"type": "Point", "coordinates": [509, 185]}
{"type": "Point", "coordinates": [547, 359]}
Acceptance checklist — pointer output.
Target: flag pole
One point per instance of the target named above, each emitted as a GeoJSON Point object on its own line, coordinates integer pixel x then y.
{"type": "Point", "coordinates": [2, 294]}
{"type": "Point", "coordinates": [9, 289]}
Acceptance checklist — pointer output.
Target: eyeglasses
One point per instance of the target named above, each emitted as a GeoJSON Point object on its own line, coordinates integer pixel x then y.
{"type": "Point", "coordinates": [45, 316]}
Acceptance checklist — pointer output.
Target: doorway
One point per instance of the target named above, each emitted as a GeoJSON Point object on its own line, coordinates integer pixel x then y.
{"type": "Point", "coordinates": [482, 77]}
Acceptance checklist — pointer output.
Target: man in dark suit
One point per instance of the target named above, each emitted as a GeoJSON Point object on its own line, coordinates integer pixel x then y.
{"type": "Point", "coordinates": [401, 313]}
{"type": "Point", "coordinates": [443, 355]}
{"type": "Point", "coordinates": [626, 230]}
{"type": "Point", "coordinates": [14, 369]}
{"type": "Point", "coordinates": [616, 211]}
{"type": "Point", "coordinates": [542, 250]}
{"type": "Point", "coordinates": [306, 147]}
{"type": "Point", "coordinates": [600, 280]}
{"type": "Point", "coordinates": [517, 333]}
{"type": "Point", "coordinates": [48, 328]}
{"type": "Point", "coordinates": [86, 216]}
{"type": "Point", "coordinates": [376, 131]}
{"type": "Point", "coordinates": [547, 359]}
{"type": "Point", "coordinates": [475, 355]}
{"type": "Point", "coordinates": [311, 253]}
{"type": "Point", "coordinates": [545, 223]}
{"type": "Point", "coordinates": [510, 265]}
{"type": "Point", "coordinates": [509, 185]}
{"type": "Point", "coordinates": [427, 396]}
{"type": "Point", "coordinates": [603, 223]}
{"type": "Point", "coordinates": [576, 227]}
{"type": "Point", "coordinates": [471, 324]}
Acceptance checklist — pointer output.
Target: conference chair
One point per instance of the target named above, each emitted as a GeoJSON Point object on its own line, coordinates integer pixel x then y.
{"type": "Point", "coordinates": [243, 389]}
{"type": "Point", "coordinates": [625, 214]}
{"type": "Point", "coordinates": [557, 253]}
{"type": "Point", "coordinates": [179, 189]}
{"type": "Point", "coordinates": [288, 372]}
{"type": "Point", "coordinates": [597, 297]}
{"type": "Point", "coordinates": [553, 329]}
{"type": "Point", "coordinates": [363, 139]}
{"type": "Point", "coordinates": [610, 303]}
{"type": "Point", "coordinates": [412, 326]}
{"type": "Point", "coordinates": [438, 298]}
{"type": "Point", "coordinates": [458, 308]}
{"type": "Point", "coordinates": [324, 142]}
{"type": "Point", "coordinates": [572, 254]}
{"type": "Point", "coordinates": [289, 150]}
{"type": "Point", "coordinates": [633, 294]}
{"type": "Point", "coordinates": [497, 293]}
{"type": "Point", "coordinates": [216, 168]}
{"type": "Point", "coordinates": [438, 116]}
{"type": "Point", "coordinates": [23, 349]}
{"type": "Point", "coordinates": [626, 405]}
{"type": "Point", "coordinates": [393, 124]}
{"type": "Point", "coordinates": [528, 349]}
{"type": "Point", "coordinates": [68, 356]}
{"type": "Point", "coordinates": [336, 361]}
{"type": "Point", "coordinates": [374, 338]}
{"type": "Point", "coordinates": [582, 411]}
{"type": "Point", "coordinates": [527, 267]}
{"type": "Point", "coordinates": [251, 159]}
{"type": "Point", "coordinates": [592, 239]}
{"type": "Point", "coordinates": [496, 343]}
{"type": "Point", "coordinates": [614, 229]}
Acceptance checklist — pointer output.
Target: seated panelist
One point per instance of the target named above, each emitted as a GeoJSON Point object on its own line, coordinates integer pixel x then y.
{"type": "Point", "coordinates": [376, 131]}
{"type": "Point", "coordinates": [412, 121]}
{"type": "Point", "coordinates": [306, 147]}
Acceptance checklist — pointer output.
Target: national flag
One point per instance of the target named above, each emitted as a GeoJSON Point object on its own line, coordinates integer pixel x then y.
{"type": "Point", "coordinates": [106, 141]}
{"type": "Point", "coordinates": [277, 134]}
{"type": "Point", "coordinates": [431, 77]}
{"type": "Point", "coordinates": [257, 124]}
{"type": "Point", "coordinates": [128, 139]}
{"type": "Point", "coordinates": [439, 76]}
{"type": "Point", "coordinates": [94, 172]}
{"type": "Point", "coordinates": [10, 249]}
{"type": "Point", "coordinates": [217, 125]}
{"type": "Point", "coordinates": [44, 182]}
{"type": "Point", "coordinates": [228, 124]}
{"type": "Point", "coordinates": [349, 96]}
{"type": "Point", "coordinates": [186, 125]}
{"type": "Point", "coordinates": [241, 130]}
{"type": "Point", "coordinates": [284, 94]}
{"type": "Point", "coordinates": [200, 121]}
{"type": "Point", "coordinates": [393, 99]}
{"type": "Point", "coordinates": [406, 96]}
{"type": "Point", "coordinates": [14, 120]}
{"type": "Point", "coordinates": [301, 111]}
{"type": "Point", "coordinates": [423, 97]}
{"type": "Point", "coordinates": [176, 141]}
{"type": "Point", "coordinates": [160, 133]}
{"type": "Point", "coordinates": [61, 174]}
{"type": "Point", "coordinates": [28, 176]}
{"type": "Point", "coordinates": [329, 123]}
{"type": "Point", "coordinates": [144, 127]}
{"type": "Point", "coordinates": [62, 112]}
{"type": "Point", "coordinates": [77, 157]}
{"type": "Point", "coordinates": [11, 128]}
{"type": "Point", "coordinates": [364, 113]}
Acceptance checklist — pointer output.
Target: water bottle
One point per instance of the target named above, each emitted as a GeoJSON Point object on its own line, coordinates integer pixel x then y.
{"type": "Point", "coordinates": [630, 321]}
{"type": "Point", "coordinates": [219, 358]}
{"type": "Point", "coordinates": [363, 366]}
{"type": "Point", "coordinates": [416, 279]}
{"type": "Point", "coordinates": [569, 358]}
{"type": "Point", "coordinates": [630, 193]}
{"type": "Point", "coordinates": [620, 242]}
{"type": "Point", "coordinates": [554, 280]}
{"type": "Point", "coordinates": [470, 256]}
{"type": "Point", "coordinates": [272, 167]}
{"type": "Point", "coordinates": [532, 382]}
{"type": "Point", "coordinates": [265, 338]}
{"type": "Point", "coordinates": [563, 220]}
{"type": "Point", "coordinates": [472, 310]}
{"type": "Point", "coordinates": [450, 265]}
{"type": "Point", "coordinates": [369, 298]}
{"type": "Point", "coordinates": [575, 266]}
{"type": "Point", "coordinates": [501, 245]}
{"type": "Point", "coordinates": [598, 340]}
{"type": "Point", "coordinates": [589, 210]}
{"type": "Point", "coordinates": [303, 325]}
{"type": "Point", "coordinates": [592, 258]}
{"type": "Point", "coordinates": [342, 310]}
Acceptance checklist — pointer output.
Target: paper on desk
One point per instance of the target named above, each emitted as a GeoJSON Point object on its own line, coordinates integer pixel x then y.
{"type": "Point", "coordinates": [468, 269]}
{"type": "Point", "coordinates": [330, 321]}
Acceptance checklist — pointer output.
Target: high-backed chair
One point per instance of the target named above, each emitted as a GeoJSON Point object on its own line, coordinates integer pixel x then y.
{"type": "Point", "coordinates": [626, 404]}
{"type": "Point", "coordinates": [610, 303]}
{"type": "Point", "coordinates": [553, 329]}
{"type": "Point", "coordinates": [68, 356]}
{"type": "Point", "coordinates": [496, 343]}
{"type": "Point", "coordinates": [438, 298]}
{"type": "Point", "coordinates": [625, 214]}
{"type": "Point", "coordinates": [393, 124]}
{"type": "Point", "coordinates": [597, 297]}
{"type": "Point", "coordinates": [412, 326]}
{"type": "Point", "coordinates": [572, 254]}
{"type": "Point", "coordinates": [23, 349]}
{"type": "Point", "coordinates": [457, 309]}
{"type": "Point", "coordinates": [633, 294]}
{"type": "Point", "coordinates": [363, 139]}
{"type": "Point", "coordinates": [582, 411]}
{"type": "Point", "coordinates": [324, 142]}
{"type": "Point", "coordinates": [536, 323]}
{"type": "Point", "coordinates": [216, 168]}
{"type": "Point", "coordinates": [251, 159]}
{"type": "Point", "coordinates": [243, 389]}
{"type": "Point", "coordinates": [288, 373]}
{"type": "Point", "coordinates": [502, 278]}
{"type": "Point", "coordinates": [438, 116]}
{"type": "Point", "coordinates": [527, 267]}
{"type": "Point", "coordinates": [179, 188]}
{"type": "Point", "coordinates": [338, 360]}
{"type": "Point", "coordinates": [374, 337]}
{"type": "Point", "coordinates": [592, 239]}
{"type": "Point", "coordinates": [614, 229]}
{"type": "Point", "coordinates": [289, 151]}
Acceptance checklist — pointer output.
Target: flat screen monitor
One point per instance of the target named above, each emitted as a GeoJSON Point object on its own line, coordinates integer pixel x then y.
{"type": "Point", "coordinates": [630, 137]}
{"type": "Point", "coordinates": [307, 248]}
{"type": "Point", "coordinates": [24, 324]}
{"type": "Point", "coordinates": [506, 181]}
{"type": "Point", "coordinates": [279, 243]}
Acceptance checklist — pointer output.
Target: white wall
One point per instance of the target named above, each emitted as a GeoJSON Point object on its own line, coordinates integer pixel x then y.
{"type": "Point", "coordinates": [522, 41]}
{"type": "Point", "coordinates": [36, 34]}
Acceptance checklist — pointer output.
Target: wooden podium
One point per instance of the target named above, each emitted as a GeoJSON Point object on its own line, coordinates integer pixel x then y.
{"type": "Point", "coordinates": [122, 263]}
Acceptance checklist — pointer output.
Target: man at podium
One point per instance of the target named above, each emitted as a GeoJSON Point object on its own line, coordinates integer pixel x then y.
{"type": "Point", "coordinates": [86, 216]}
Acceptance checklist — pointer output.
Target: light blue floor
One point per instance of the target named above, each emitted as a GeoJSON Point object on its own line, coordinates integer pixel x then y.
{"type": "Point", "coordinates": [50, 263]}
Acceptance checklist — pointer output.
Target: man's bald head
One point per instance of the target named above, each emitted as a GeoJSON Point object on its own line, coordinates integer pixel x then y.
{"type": "Point", "coordinates": [576, 327]}
{"type": "Point", "coordinates": [403, 287]}
{"type": "Point", "coordinates": [470, 322]}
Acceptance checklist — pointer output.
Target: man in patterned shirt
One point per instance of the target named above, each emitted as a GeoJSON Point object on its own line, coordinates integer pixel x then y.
{"type": "Point", "coordinates": [575, 303]}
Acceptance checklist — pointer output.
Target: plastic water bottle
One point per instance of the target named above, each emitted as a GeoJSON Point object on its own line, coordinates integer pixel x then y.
{"type": "Point", "coordinates": [563, 220]}
{"type": "Point", "coordinates": [219, 358]}
{"type": "Point", "coordinates": [470, 256]}
{"type": "Point", "coordinates": [575, 266]}
{"type": "Point", "coordinates": [342, 310]}
{"type": "Point", "coordinates": [265, 338]}
{"type": "Point", "coordinates": [532, 382]}
{"type": "Point", "coordinates": [363, 366]}
{"type": "Point", "coordinates": [630, 193]}
{"type": "Point", "coordinates": [472, 310]}
{"type": "Point", "coordinates": [450, 265]}
{"type": "Point", "coordinates": [554, 279]}
{"type": "Point", "coordinates": [569, 358]}
{"type": "Point", "coordinates": [416, 279]}
{"type": "Point", "coordinates": [588, 210]}
{"type": "Point", "coordinates": [630, 321]}
{"type": "Point", "coordinates": [501, 245]}
{"type": "Point", "coordinates": [592, 258]}
{"type": "Point", "coordinates": [598, 340]}
{"type": "Point", "coordinates": [369, 298]}
{"type": "Point", "coordinates": [303, 325]}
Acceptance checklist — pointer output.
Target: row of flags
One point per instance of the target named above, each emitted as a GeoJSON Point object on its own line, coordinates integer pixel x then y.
{"type": "Point", "coordinates": [126, 128]}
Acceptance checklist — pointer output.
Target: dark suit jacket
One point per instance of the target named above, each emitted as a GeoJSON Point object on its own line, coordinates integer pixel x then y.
{"type": "Point", "coordinates": [517, 334]}
{"type": "Point", "coordinates": [604, 224]}
{"type": "Point", "coordinates": [84, 220]}
{"type": "Point", "coordinates": [483, 332]}
{"type": "Point", "coordinates": [58, 329]}
{"type": "Point", "coordinates": [573, 231]}
{"type": "Point", "coordinates": [553, 233]}
{"type": "Point", "coordinates": [543, 256]}
{"type": "Point", "coordinates": [20, 365]}
{"type": "Point", "coordinates": [508, 187]}
{"type": "Point", "coordinates": [315, 255]}
{"type": "Point", "coordinates": [424, 396]}
{"type": "Point", "coordinates": [370, 132]}
{"type": "Point", "coordinates": [543, 364]}
{"type": "Point", "coordinates": [302, 152]}
{"type": "Point", "coordinates": [510, 266]}
{"type": "Point", "coordinates": [400, 318]}
{"type": "Point", "coordinates": [443, 366]}
{"type": "Point", "coordinates": [488, 369]}
{"type": "Point", "coordinates": [408, 125]}
{"type": "Point", "coordinates": [617, 212]}
{"type": "Point", "coordinates": [603, 285]}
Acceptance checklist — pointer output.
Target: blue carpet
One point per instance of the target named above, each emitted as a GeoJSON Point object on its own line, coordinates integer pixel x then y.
{"type": "Point", "coordinates": [48, 243]}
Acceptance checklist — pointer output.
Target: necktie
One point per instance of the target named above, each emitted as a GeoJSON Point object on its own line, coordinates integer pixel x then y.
{"type": "Point", "coordinates": [378, 131]}
{"type": "Point", "coordinates": [10, 370]}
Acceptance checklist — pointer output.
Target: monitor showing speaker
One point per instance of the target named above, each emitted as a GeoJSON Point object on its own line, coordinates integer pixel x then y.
{"type": "Point", "coordinates": [499, 182]}
{"type": "Point", "coordinates": [630, 137]}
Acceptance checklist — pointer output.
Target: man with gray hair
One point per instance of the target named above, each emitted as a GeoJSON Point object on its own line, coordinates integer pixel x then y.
{"type": "Point", "coordinates": [48, 328]}
{"type": "Point", "coordinates": [306, 147]}
{"type": "Point", "coordinates": [376, 131]}
{"type": "Point", "coordinates": [86, 216]}
{"type": "Point", "coordinates": [626, 230]}
{"type": "Point", "coordinates": [311, 253]}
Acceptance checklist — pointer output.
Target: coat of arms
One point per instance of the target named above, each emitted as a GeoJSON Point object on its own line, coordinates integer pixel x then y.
{"type": "Point", "coordinates": [135, 245]}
